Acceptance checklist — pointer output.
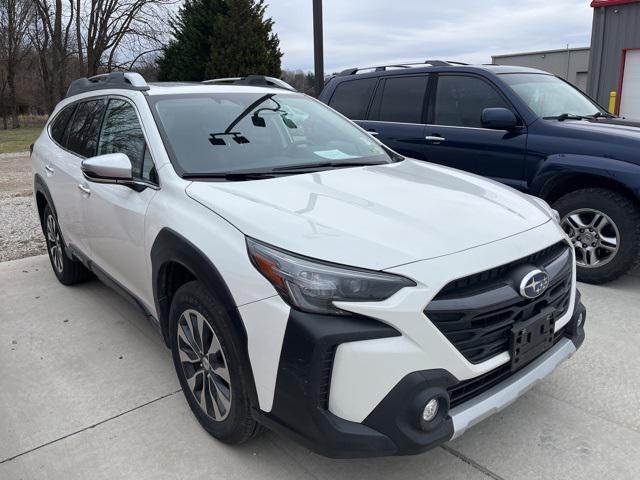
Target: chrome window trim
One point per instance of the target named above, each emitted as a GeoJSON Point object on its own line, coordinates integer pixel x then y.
{"type": "Point", "coordinates": [433, 125]}
{"type": "Point", "coordinates": [395, 123]}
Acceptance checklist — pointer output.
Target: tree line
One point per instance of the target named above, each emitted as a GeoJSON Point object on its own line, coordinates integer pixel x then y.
{"type": "Point", "coordinates": [45, 44]}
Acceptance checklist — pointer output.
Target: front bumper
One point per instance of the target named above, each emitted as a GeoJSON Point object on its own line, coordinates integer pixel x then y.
{"type": "Point", "coordinates": [300, 406]}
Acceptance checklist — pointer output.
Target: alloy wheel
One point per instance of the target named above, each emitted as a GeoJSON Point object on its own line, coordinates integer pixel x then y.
{"type": "Point", "coordinates": [55, 243]}
{"type": "Point", "coordinates": [204, 365]}
{"type": "Point", "coordinates": [595, 236]}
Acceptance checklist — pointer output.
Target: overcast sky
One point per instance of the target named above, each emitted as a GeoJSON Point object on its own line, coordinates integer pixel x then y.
{"type": "Point", "coordinates": [373, 32]}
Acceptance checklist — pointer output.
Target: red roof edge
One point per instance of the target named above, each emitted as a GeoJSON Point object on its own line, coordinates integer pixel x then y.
{"type": "Point", "coordinates": [610, 3]}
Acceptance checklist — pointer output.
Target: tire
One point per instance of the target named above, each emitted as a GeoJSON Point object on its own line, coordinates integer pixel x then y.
{"type": "Point", "coordinates": [593, 217]}
{"type": "Point", "coordinates": [66, 270]}
{"type": "Point", "coordinates": [222, 377]}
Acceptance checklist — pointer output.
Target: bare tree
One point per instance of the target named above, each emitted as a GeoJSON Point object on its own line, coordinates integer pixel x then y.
{"type": "Point", "coordinates": [3, 96]}
{"type": "Point", "coordinates": [52, 35]}
{"type": "Point", "coordinates": [63, 39]}
{"type": "Point", "coordinates": [15, 19]}
{"type": "Point", "coordinates": [121, 29]}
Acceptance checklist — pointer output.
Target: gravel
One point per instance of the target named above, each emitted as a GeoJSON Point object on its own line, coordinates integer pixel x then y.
{"type": "Point", "coordinates": [20, 232]}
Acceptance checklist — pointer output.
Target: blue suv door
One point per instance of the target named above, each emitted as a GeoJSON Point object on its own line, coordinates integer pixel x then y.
{"type": "Point", "coordinates": [398, 113]}
{"type": "Point", "coordinates": [455, 136]}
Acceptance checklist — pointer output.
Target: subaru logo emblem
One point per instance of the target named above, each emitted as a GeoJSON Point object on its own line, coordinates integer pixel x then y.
{"type": "Point", "coordinates": [534, 284]}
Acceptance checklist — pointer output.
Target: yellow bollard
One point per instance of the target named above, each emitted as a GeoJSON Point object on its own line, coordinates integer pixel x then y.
{"type": "Point", "coordinates": [613, 97]}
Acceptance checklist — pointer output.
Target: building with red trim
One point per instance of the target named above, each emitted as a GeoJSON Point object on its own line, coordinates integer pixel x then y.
{"type": "Point", "coordinates": [614, 64]}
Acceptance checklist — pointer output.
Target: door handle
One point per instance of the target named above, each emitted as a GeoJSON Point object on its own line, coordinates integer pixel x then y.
{"type": "Point", "coordinates": [84, 189]}
{"type": "Point", "coordinates": [49, 169]}
{"type": "Point", "coordinates": [373, 132]}
{"type": "Point", "coordinates": [434, 139]}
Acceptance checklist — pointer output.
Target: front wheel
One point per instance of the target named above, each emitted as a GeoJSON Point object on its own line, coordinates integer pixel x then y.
{"type": "Point", "coordinates": [209, 361]}
{"type": "Point", "coordinates": [67, 271]}
{"type": "Point", "coordinates": [604, 227]}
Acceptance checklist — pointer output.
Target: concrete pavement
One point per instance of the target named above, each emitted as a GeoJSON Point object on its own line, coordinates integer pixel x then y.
{"type": "Point", "coordinates": [87, 390]}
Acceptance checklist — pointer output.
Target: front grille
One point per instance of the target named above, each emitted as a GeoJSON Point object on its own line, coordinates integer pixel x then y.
{"type": "Point", "coordinates": [481, 280]}
{"type": "Point", "coordinates": [476, 313]}
{"type": "Point", "coordinates": [467, 389]}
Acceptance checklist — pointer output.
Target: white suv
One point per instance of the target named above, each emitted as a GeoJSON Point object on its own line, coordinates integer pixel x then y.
{"type": "Point", "coordinates": [306, 278]}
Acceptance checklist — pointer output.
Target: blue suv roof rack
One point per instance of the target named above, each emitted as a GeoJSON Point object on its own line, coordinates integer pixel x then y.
{"type": "Point", "coordinates": [383, 68]}
{"type": "Point", "coordinates": [120, 80]}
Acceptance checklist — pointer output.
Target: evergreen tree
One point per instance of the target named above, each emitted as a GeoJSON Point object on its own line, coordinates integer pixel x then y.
{"type": "Point", "coordinates": [221, 38]}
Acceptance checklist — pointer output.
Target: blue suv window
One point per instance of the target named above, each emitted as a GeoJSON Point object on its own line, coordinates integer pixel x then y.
{"type": "Point", "coordinates": [460, 100]}
{"type": "Point", "coordinates": [351, 98]}
{"type": "Point", "coordinates": [403, 99]}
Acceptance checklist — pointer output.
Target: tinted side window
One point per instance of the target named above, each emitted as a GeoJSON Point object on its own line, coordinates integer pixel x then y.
{"type": "Point", "coordinates": [83, 132]}
{"type": "Point", "coordinates": [60, 124]}
{"type": "Point", "coordinates": [121, 133]}
{"type": "Point", "coordinates": [403, 99]}
{"type": "Point", "coordinates": [460, 100]}
{"type": "Point", "coordinates": [351, 98]}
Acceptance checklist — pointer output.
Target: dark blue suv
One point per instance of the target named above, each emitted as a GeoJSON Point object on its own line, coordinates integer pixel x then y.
{"type": "Point", "coordinates": [522, 127]}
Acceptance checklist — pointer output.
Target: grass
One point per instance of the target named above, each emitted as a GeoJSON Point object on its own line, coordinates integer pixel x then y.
{"type": "Point", "coordinates": [19, 139]}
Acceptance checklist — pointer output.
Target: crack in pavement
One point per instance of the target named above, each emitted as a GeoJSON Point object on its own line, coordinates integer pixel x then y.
{"type": "Point", "coordinates": [471, 462]}
{"type": "Point", "coordinates": [613, 421]}
{"type": "Point", "coordinates": [89, 427]}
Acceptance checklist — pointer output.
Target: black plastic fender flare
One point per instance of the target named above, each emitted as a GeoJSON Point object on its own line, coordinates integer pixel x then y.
{"type": "Point", "coordinates": [169, 246]}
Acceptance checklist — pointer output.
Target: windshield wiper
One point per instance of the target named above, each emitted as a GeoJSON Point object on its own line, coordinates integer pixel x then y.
{"type": "Point", "coordinates": [232, 176]}
{"type": "Point", "coordinates": [566, 116]}
{"type": "Point", "coordinates": [320, 165]}
{"type": "Point", "coordinates": [273, 172]}
{"type": "Point", "coordinates": [601, 115]}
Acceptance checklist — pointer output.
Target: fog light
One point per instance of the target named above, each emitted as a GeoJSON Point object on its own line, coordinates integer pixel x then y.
{"type": "Point", "coordinates": [431, 410]}
{"type": "Point", "coordinates": [580, 319]}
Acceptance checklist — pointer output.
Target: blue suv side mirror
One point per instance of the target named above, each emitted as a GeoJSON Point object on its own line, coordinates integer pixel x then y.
{"type": "Point", "coordinates": [499, 119]}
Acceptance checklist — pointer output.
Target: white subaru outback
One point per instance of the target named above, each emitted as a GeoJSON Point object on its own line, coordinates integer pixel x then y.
{"type": "Point", "coordinates": [306, 278]}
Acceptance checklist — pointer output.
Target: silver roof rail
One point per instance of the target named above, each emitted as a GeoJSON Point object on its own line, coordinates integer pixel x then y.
{"type": "Point", "coordinates": [383, 68]}
{"type": "Point", "coordinates": [252, 80]}
{"type": "Point", "coordinates": [118, 80]}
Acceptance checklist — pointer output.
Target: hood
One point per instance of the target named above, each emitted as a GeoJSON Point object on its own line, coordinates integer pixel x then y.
{"type": "Point", "coordinates": [373, 217]}
{"type": "Point", "coordinates": [607, 137]}
{"type": "Point", "coordinates": [607, 126]}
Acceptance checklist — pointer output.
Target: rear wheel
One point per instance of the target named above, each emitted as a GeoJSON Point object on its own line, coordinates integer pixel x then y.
{"type": "Point", "coordinates": [604, 227]}
{"type": "Point", "coordinates": [208, 358]}
{"type": "Point", "coordinates": [66, 270]}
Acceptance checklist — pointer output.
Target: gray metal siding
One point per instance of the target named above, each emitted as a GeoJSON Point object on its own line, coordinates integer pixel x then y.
{"type": "Point", "coordinates": [569, 64]}
{"type": "Point", "coordinates": [614, 29]}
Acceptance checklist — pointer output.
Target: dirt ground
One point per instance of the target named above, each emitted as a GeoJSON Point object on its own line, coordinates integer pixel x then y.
{"type": "Point", "coordinates": [20, 233]}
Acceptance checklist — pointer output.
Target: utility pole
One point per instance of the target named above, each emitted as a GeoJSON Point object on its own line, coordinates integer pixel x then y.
{"type": "Point", "coordinates": [318, 47]}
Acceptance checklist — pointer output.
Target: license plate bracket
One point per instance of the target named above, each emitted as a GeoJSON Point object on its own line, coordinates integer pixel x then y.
{"type": "Point", "coordinates": [530, 338]}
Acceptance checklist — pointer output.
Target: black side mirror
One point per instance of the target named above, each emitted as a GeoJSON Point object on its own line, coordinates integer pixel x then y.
{"type": "Point", "coordinates": [499, 119]}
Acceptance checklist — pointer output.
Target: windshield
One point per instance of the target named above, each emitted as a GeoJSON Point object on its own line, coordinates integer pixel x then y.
{"type": "Point", "coordinates": [221, 133]}
{"type": "Point", "coordinates": [550, 97]}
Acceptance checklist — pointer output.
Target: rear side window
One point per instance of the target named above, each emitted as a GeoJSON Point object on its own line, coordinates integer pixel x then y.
{"type": "Point", "coordinates": [403, 99]}
{"type": "Point", "coordinates": [460, 100]}
{"type": "Point", "coordinates": [352, 98]}
{"type": "Point", "coordinates": [83, 132]}
{"type": "Point", "coordinates": [60, 124]}
{"type": "Point", "coordinates": [122, 133]}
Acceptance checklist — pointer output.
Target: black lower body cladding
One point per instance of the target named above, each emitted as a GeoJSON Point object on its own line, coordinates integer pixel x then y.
{"type": "Point", "coordinates": [300, 405]}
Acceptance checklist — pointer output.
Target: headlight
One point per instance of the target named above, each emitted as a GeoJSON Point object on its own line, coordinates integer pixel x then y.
{"type": "Point", "coordinates": [313, 286]}
{"type": "Point", "coordinates": [553, 213]}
